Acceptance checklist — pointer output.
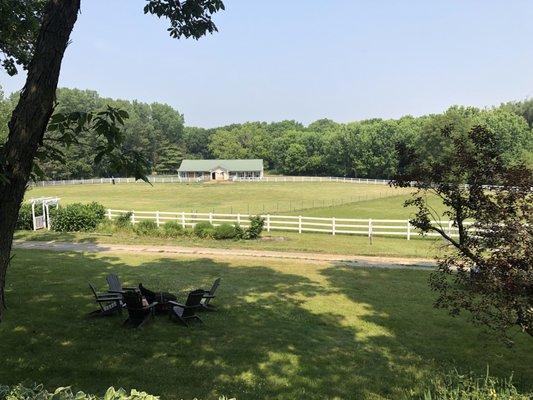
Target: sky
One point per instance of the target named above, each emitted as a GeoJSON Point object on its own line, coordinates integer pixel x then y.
{"type": "Point", "coordinates": [307, 59]}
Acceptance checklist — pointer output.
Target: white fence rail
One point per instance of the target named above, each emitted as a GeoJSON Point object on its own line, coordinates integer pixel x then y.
{"type": "Point", "coordinates": [300, 224]}
{"type": "Point", "coordinates": [176, 179]}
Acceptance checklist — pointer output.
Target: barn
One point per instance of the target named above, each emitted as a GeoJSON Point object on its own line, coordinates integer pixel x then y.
{"type": "Point", "coordinates": [220, 170]}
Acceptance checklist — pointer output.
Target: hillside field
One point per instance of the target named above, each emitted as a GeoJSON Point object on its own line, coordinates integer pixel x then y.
{"type": "Point", "coordinates": [311, 198]}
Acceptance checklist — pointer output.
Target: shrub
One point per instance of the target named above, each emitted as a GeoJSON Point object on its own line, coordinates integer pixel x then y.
{"type": "Point", "coordinates": [25, 220]}
{"type": "Point", "coordinates": [239, 232]}
{"type": "Point", "coordinates": [455, 386]}
{"type": "Point", "coordinates": [172, 229]}
{"type": "Point", "coordinates": [204, 229]}
{"type": "Point", "coordinates": [123, 220]}
{"type": "Point", "coordinates": [37, 392]}
{"type": "Point", "coordinates": [146, 227]}
{"type": "Point", "coordinates": [98, 209]}
{"type": "Point", "coordinates": [255, 228]}
{"type": "Point", "coordinates": [225, 231]}
{"type": "Point", "coordinates": [76, 217]}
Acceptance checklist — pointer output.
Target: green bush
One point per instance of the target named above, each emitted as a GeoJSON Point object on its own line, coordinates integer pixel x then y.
{"type": "Point", "coordinates": [455, 386]}
{"type": "Point", "coordinates": [123, 221]}
{"type": "Point", "coordinates": [225, 231]}
{"type": "Point", "coordinates": [172, 229]}
{"type": "Point", "coordinates": [255, 228]}
{"type": "Point", "coordinates": [76, 217]}
{"type": "Point", "coordinates": [146, 227]}
{"type": "Point", "coordinates": [38, 392]}
{"type": "Point", "coordinates": [25, 220]}
{"type": "Point", "coordinates": [204, 229]}
{"type": "Point", "coordinates": [98, 209]}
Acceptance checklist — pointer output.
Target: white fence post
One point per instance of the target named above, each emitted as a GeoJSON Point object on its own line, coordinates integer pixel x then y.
{"type": "Point", "coordinates": [370, 228]}
{"type": "Point", "coordinates": [408, 230]}
{"type": "Point", "coordinates": [449, 228]}
{"type": "Point", "coordinates": [183, 219]}
{"type": "Point", "coordinates": [211, 218]}
{"type": "Point", "coordinates": [108, 213]}
{"type": "Point", "coordinates": [238, 219]}
{"type": "Point", "coordinates": [133, 217]}
{"type": "Point", "coordinates": [157, 218]}
{"type": "Point", "coordinates": [299, 224]}
{"type": "Point", "coordinates": [268, 223]}
{"type": "Point", "coordinates": [333, 226]}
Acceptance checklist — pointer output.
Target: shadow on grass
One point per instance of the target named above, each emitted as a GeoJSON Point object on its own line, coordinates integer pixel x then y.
{"type": "Point", "coordinates": [281, 332]}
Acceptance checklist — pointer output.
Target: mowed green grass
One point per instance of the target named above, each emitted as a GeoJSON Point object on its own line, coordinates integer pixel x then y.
{"type": "Point", "coordinates": [238, 197]}
{"type": "Point", "coordinates": [284, 330]}
{"type": "Point", "coordinates": [391, 207]}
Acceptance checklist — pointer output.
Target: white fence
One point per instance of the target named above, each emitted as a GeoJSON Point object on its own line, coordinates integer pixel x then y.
{"type": "Point", "coordinates": [176, 179]}
{"type": "Point", "coordinates": [300, 224]}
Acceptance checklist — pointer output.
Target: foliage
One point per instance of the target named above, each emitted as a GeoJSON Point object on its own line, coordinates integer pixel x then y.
{"type": "Point", "coordinates": [256, 227]}
{"type": "Point", "coordinates": [25, 218]}
{"type": "Point", "coordinates": [146, 227]}
{"type": "Point", "coordinates": [157, 134]}
{"type": "Point", "coordinates": [77, 217]}
{"type": "Point", "coordinates": [456, 386]}
{"type": "Point", "coordinates": [172, 229]}
{"type": "Point", "coordinates": [37, 392]}
{"type": "Point", "coordinates": [18, 31]}
{"type": "Point", "coordinates": [204, 229]}
{"type": "Point", "coordinates": [226, 231]}
{"type": "Point", "coordinates": [123, 221]}
{"type": "Point", "coordinates": [489, 272]}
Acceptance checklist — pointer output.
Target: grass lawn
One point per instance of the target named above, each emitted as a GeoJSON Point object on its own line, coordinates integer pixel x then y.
{"type": "Point", "coordinates": [234, 197]}
{"type": "Point", "coordinates": [284, 330]}
{"type": "Point", "coordinates": [391, 207]}
{"type": "Point", "coordinates": [307, 242]}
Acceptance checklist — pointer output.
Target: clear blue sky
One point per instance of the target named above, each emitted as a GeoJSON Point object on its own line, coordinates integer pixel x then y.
{"type": "Point", "coordinates": [308, 59]}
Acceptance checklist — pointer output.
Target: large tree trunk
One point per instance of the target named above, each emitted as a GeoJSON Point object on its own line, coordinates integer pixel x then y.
{"type": "Point", "coordinates": [30, 118]}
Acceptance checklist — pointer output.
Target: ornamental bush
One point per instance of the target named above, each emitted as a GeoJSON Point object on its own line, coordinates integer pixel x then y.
{"type": "Point", "coordinates": [225, 231]}
{"type": "Point", "coordinates": [25, 221]}
{"type": "Point", "coordinates": [37, 392]}
{"type": "Point", "coordinates": [146, 227]}
{"type": "Point", "coordinates": [255, 228]}
{"type": "Point", "coordinates": [77, 217]}
{"type": "Point", "coordinates": [123, 221]}
{"type": "Point", "coordinates": [172, 229]}
{"type": "Point", "coordinates": [204, 229]}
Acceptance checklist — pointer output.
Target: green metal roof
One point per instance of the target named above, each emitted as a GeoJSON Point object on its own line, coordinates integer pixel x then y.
{"type": "Point", "coordinates": [229, 165]}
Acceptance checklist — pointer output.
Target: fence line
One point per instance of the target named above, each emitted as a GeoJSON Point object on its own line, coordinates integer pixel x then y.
{"type": "Point", "coordinates": [176, 179]}
{"type": "Point", "coordinates": [300, 224]}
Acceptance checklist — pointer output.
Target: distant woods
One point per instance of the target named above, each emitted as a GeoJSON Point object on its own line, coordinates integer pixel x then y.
{"type": "Point", "coordinates": [366, 149]}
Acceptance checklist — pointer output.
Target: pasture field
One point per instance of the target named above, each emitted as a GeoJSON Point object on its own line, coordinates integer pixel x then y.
{"type": "Point", "coordinates": [284, 330]}
{"type": "Point", "coordinates": [234, 197]}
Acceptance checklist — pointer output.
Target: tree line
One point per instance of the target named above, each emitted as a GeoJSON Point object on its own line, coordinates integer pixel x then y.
{"type": "Point", "coordinates": [366, 149]}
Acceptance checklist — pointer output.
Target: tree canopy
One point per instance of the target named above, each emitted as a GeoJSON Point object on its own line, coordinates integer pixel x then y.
{"type": "Point", "coordinates": [366, 149]}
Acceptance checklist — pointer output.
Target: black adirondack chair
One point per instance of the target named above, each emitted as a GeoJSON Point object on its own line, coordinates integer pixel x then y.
{"type": "Point", "coordinates": [109, 303]}
{"type": "Point", "coordinates": [210, 295]}
{"type": "Point", "coordinates": [115, 286]}
{"type": "Point", "coordinates": [139, 313]}
{"type": "Point", "coordinates": [187, 311]}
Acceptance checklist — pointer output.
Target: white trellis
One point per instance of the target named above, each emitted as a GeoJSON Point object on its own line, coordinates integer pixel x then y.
{"type": "Point", "coordinates": [40, 211]}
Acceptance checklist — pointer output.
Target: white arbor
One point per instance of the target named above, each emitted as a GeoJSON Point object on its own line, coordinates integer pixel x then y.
{"type": "Point", "coordinates": [41, 207]}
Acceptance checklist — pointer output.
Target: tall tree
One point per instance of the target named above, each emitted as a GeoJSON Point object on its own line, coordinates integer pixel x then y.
{"type": "Point", "coordinates": [40, 45]}
{"type": "Point", "coordinates": [488, 271]}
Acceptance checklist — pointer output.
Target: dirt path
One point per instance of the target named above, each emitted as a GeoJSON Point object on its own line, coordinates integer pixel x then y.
{"type": "Point", "coordinates": [362, 261]}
